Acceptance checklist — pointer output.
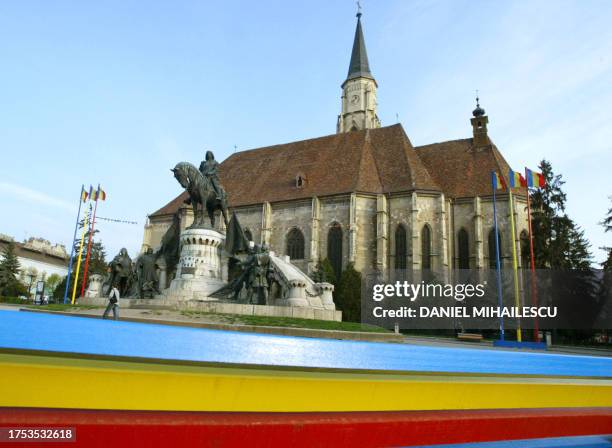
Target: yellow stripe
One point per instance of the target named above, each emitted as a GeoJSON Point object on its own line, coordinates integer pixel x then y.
{"type": "Point", "coordinates": [35, 381]}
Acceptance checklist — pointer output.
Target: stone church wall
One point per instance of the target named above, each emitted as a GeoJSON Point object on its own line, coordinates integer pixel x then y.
{"type": "Point", "coordinates": [285, 217]}
{"type": "Point", "coordinates": [400, 214]}
{"type": "Point", "coordinates": [334, 209]}
{"type": "Point", "coordinates": [365, 244]}
{"type": "Point", "coordinates": [250, 219]}
{"type": "Point", "coordinates": [412, 210]}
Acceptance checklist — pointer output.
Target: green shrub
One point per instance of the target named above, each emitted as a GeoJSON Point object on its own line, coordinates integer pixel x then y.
{"type": "Point", "coordinates": [324, 272]}
{"type": "Point", "coordinates": [348, 294]}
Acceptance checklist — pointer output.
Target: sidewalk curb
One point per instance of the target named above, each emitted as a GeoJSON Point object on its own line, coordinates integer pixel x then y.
{"type": "Point", "coordinates": [283, 331]}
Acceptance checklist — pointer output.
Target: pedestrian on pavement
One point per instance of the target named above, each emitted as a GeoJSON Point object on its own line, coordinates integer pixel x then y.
{"type": "Point", "coordinates": [113, 303]}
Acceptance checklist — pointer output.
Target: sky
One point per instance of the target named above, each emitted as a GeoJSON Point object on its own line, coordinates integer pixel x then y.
{"type": "Point", "coordinates": [118, 92]}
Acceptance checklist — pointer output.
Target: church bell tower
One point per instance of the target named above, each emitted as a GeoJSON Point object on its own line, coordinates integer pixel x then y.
{"type": "Point", "coordinates": [358, 90]}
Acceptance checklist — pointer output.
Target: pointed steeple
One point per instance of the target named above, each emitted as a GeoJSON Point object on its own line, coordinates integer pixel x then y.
{"type": "Point", "coordinates": [359, 66]}
{"type": "Point", "coordinates": [358, 89]}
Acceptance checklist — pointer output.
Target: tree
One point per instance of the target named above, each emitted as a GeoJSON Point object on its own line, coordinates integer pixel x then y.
{"type": "Point", "coordinates": [348, 294]}
{"type": "Point", "coordinates": [9, 270]}
{"type": "Point", "coordinates": [52, 281]}
{"type": "Point", "coordinates": [9, 266]}
{"type": "Point", "coordinates": [607, 225]}
{"type": "Point", "coordinates": [324, 272]}
{"type": "Point", "coordinates": [558, 242]}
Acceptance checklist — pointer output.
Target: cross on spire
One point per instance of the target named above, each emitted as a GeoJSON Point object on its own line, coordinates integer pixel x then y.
{"type": "Point", "coordinates": [358, 9]}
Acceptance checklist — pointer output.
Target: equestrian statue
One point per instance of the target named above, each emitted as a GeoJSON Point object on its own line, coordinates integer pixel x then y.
{"type": "Point", "coordinates": [203, 188]}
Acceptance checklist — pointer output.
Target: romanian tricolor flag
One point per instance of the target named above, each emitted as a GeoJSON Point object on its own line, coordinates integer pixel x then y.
{"type": "Point", "coordinates": [101, 194]}
{"type": "Point", "coordinates": [84, 195]}
{"type": "Point", "coordinates": [497, 181]}
{"type": "Point", "coordinates": [92, 193]}
{"type": "Point", "coordinates": [516, 179]}
{"type": "Point", "coordinates": [534, 180]}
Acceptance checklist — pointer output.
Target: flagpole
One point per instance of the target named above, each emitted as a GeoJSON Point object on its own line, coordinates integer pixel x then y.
{"type": "Point", "coordinates": [76, 228]}
{"type": "Point", "coordinates": [76, 276]}
{"type": "Point", "coordinates": [91, 231]}
{"type": "Point", "coordinates": [497, 260]}
{"type": "Point", "coordinates": [519, 337]}
{"type": "Point", "coordinates": [534, 290]}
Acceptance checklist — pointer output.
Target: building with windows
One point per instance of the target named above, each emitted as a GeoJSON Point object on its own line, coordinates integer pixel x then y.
{"type": "Point", "coordinates": [366, 195]}
{"type": "Point", "coordinates": [38, 259]}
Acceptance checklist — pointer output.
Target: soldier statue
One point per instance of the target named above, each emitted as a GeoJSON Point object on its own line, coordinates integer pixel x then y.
{"type": "Point", "coordinates": [257, 269]}
{"type": "Point", "coordinates": [120, 272]}
{"type": "Point", "coordinates": [146, 274]}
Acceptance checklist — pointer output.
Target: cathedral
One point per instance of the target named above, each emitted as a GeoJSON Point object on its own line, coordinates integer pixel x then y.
{"type": "Point", "coordinates": [365, 195]}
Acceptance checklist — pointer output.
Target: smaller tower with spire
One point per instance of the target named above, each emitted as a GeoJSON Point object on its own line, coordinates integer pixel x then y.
{"type": "Point", "coordinates": [359, 89]}
{"type": "Point", "coordinates": [479, 126]}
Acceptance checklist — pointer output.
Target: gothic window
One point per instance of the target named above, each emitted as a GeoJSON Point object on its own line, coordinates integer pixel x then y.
{"type": "Point", "coordinates": [248, 235]}
{"type": "Point", "coordinates": [525, 250]}
{"type": "Point", "coordinates": [463, 246]}
{"type": "Point", "coordinates": [295, 244]}
{"type": "Point", "coordinates": [426, 247]}
{"type": "Point", "coordinates": [400, 247]}
{"type": "Point", "coordinates": [334, 248]}
{"type": "Point", "coordinates": [492, 249]}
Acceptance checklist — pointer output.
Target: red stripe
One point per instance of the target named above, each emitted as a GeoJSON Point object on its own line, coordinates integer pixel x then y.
{"type": "Point", "coordinates": [177, 429]}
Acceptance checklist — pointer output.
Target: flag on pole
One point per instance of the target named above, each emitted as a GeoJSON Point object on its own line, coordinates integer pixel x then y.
{"type": "Point", "coordinates": [516, 179]}
{"type": "Point", "coordinates": [91, 193]}
{"type": "Point", "coordinates": [535, 180]}
{"type": "Point", "coordinates": [101, 195]}
{"type": "Point", "coordinates": [82, 199]}
{"type": "Point", "coordinates": [517, 302]}
{"type": "Point", "coordinates": [497, 181]}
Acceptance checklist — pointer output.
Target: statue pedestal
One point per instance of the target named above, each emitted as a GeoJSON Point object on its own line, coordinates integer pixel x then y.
{"type": "Point", "coordinates": [95, 286]}
{"type": "Point", "coordinates": [199, 271]}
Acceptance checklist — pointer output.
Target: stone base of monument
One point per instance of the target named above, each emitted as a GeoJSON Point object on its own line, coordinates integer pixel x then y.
{"type": "Point", "coordinates": [199, 272]}
{"type": "Point", "coordinates": [202, 271]}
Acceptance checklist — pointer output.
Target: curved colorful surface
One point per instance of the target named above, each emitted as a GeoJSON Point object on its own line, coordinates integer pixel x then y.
{"type": "Point", "coordinates": [133, 377]}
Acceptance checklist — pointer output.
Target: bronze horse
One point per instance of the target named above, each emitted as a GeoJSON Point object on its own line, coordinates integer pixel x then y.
{"type": "Point", "coordinates": [200, 191]}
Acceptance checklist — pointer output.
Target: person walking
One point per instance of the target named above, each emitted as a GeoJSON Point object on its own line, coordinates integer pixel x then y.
{"type": "Point", "coordinates": [113, 303]}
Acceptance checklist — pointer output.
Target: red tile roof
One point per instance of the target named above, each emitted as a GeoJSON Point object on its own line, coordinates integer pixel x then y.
{"type": "Point", "coordinates": [374, 161]}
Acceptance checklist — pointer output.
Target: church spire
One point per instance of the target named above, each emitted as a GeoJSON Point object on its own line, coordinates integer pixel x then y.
{"type": "Point", "coordinates": [359, 66]}
{"type": "Point", "coordinates": [359, 89]}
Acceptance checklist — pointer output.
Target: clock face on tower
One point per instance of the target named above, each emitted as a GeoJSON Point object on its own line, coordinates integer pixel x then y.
{"type": "Point", "coordinates": [355, 99]}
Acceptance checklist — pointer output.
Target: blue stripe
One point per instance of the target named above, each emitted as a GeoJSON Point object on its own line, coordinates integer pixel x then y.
{"type": "Point", "coordinates": [557, 442]}
{"type": "Point", "coordinates": [32, 331]}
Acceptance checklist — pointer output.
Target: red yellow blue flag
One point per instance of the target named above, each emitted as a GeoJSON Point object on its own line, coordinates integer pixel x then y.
{"type": "Point", "coordinates": [101, 194]}
{"type": "Point", "coordinates": [516, 179]}
{"type": "Point", "coordinates": [534, 180]}
{"type": "Point", "coordinates": [497, 181]}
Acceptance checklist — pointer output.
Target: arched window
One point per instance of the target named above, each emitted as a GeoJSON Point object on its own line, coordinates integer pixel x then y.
{"type": "Point", "coordinates": [400, 247]}
{"type": "Point", "coordinates": [463, 246]}
{"type": "Point", "coordinates": [492, 249]}
{"type": "Point", "coordinates": [334, 248]}
{"type": "Point", "coordinates": [426, 247]}
{"type": "Point", "coordinates": [525, 250]}
{"type": "Point", "coordinates": [248, 234]}
{"type": "Point", "coordinates": [295, 244]}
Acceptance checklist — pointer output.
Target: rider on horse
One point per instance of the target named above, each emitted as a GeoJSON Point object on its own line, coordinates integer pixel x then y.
{"type": "Point", "coordinates": [209, 169]}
